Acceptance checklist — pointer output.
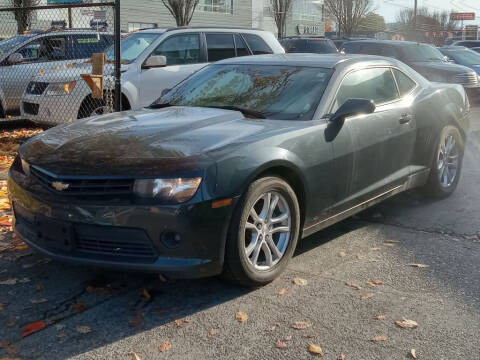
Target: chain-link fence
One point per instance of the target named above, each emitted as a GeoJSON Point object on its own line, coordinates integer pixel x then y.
{"type": "Point", "coordinates": [44, 52]}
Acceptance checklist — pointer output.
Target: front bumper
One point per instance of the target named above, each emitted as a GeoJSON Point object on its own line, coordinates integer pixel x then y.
{"type": "Point", "coordinates": [122, 236]}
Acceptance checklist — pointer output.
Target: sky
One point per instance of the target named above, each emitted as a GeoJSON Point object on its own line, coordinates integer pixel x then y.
{"type": "Point", "coordinates": [389, 8]}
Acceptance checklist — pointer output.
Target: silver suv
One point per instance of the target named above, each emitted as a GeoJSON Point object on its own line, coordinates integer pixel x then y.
{"type": "Point", "coordinates": [24, 56]}
{"type": "Point", "coordinates": [152, 61]}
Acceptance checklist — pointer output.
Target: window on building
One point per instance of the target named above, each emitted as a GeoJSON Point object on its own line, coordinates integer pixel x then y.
{"type": "Point", "coordinates": [220, 46]}
{"type": "Point", "coordinates": [219, 6]}
{"type": "Point", "coordinates": [309, 10]}
{"type": "Point", "coordinates": [137, 26]}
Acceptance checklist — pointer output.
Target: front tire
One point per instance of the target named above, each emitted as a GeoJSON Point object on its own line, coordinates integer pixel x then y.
{"type": "Point", "coordinates": [263, 234]}
{"type": "Point", "coordinates": [446, 165]}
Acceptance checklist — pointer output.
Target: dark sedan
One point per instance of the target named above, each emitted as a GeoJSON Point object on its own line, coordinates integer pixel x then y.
{"type": "Point", "coordinates": [227, 171]}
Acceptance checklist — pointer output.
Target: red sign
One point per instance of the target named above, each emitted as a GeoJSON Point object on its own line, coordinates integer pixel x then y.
{"type": "Point", "coordinates": [462, 16]}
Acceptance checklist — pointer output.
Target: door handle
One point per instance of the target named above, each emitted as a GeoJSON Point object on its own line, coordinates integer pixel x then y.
{"type": "Point", "coordinates": [405, 119]}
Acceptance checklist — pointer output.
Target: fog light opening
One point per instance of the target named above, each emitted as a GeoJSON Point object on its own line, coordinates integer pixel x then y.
{"type": "Point", "coordinates": [171, 239]}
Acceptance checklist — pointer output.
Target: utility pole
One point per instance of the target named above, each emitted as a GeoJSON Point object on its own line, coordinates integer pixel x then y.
{"type": "Point", "coordinates": [415, 19]}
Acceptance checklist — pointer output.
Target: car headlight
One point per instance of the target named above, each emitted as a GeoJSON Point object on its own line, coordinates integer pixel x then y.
{"type": "Point", "coordinates": [169, 190]}
{"type": "Point", "coordinates": [59, 89]}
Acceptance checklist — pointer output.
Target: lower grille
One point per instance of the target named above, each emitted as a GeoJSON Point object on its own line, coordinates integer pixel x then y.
{"type": "Point", "coordinates": [30, 108]}
{"type": "Point", "coordinates": [82, 186]}
{"type": "Point", "coordinates": [466, 79]}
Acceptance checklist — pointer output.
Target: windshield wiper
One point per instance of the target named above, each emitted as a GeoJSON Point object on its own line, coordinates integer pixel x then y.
{"type": "Point", "coordinates": [160, 106]}
{"type": "Point", "coordinates": [248, 112]}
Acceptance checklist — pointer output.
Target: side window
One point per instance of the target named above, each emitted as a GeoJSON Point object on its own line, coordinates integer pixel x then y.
{"type": "Point", "coordinates": [242, 49]}
{"type": "Point", "coordinates": [375, 84]}
{"type": "Point", "coordinates": [257, 44]}
{"type": "Point", "coordinates": [83, 46]}
{"type": "Point", "coordinates": [352, 48]}
{"type": "Point", "coordinates": [405, 84]}
{"type": "Point", "coordinates": [388, 51]}
{"type": "Point", "coordinates": [30, 51]}
{"type": "Point", "coordinates": [52, 49]}
{"type": "Point", "coordinates": [220, 46]}
{"type": "Point", "coordinates": [180, 49]}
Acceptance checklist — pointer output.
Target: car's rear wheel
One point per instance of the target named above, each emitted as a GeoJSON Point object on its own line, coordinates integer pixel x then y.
{"type": "Point", "coordinates": [263, 234]}
{"type": "Point", "coordinates": [447, 164]}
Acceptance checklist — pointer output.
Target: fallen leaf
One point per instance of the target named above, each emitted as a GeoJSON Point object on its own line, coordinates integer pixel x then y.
{"type": "Point", "coordinates": [300, 281]}
{"type": "Point", "coordinates": [366, 296]}
{"type": "Point", "coordinates": [165, 346]}
{"type": "Point", "coordinates": [373, 283]}
{"type": "Point", "coordinates": [1, 307]}
{"type": "Point", "coordinates": [136, 321]}
{"type": "Point", "coordinates": [301, 325]}
{"type": "Point", "coordinates": [181, 323]}
{"type": "Point", "coordinates": [78, 307]}
{"type": "Point", "coordinates": [82, 329]}
{"type": "Point", "coordinates": [241, 316]}
{"type": "Point", "coordinates": [280, 345]}
{"type": "Point", "coordinates": [419, 265]}
{"type": "Point", "coordinates": [413, 354]}
{"type": "Point", "coordinates": [341, 356]}
{"type": "Point", "coordinates": [11, 350]}
{"type": "Point", "coordinates": [353, 286]}
{"type": "Point", "coordinates": [211, 333]}
{"type": "Point", "coordinates": [21, 247]}
{"type": "Point", "coordinates": [381, 317]}
{"type": "Point", "coordinates": [38, 301]}
{"type": "Point", "coordinates": [406, 324]}
{"type": "Point", "coordinates": [315, 349]}
{"type": "Point", "coordinates": [288, 338]}
{"type": "Point", "coordinates": [145, 295]}
{"type": "Point", "coordinates": [341, 254]}
{"type": "Point", "coordinates": [33, 328]}
{"type": "Point", "coordinates": [135, 356]}
{"type": "Point", "coordinates": [379, 338]}
{"type": "Point", "coordinates": [10, 323]}
{"type": "Point", "coordinates": [162, 278]}
{"type": "Point", "coordinates": [282, 291]}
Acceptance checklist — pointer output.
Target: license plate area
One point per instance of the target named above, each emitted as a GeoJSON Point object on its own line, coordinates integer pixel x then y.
{"type": "Point", "coordinates": [55, 234]}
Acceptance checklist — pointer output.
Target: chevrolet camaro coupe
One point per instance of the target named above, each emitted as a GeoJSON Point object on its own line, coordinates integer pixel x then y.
{"type": "Point", "coordinates": [230, 168]}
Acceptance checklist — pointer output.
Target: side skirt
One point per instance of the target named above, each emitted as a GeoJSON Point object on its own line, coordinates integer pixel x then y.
{"type": "Point", "coordinates": [414, 180]}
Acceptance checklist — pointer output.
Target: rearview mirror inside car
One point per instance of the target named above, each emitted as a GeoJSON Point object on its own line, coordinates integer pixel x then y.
{"type": "Point", "coordinates": [155, 61]}
{"type": "Point", "coordinates": [353, 107]}
{"type": "Point", "coordinates": [15, 58]}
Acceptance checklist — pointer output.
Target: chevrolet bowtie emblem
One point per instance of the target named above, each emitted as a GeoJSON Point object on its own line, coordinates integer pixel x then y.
{"type": "Point", "coordinates": [57, 185]}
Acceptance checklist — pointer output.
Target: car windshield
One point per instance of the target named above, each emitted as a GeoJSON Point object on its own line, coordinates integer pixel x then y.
{"type": "Point", "coordinates": [464, 57]}
{"type": "Point", "coordinates": [277, 92]}
{"type": "Point", "coordinates": [9, 44]}
{"type": "Point", "coordinates": [421, 52]}
{"type": "Point", "coordinates": [132, 46]}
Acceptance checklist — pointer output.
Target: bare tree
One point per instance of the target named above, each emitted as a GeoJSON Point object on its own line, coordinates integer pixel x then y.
{"type": "Point", "coordinates": [182, 10]}
{"type": "Point", "coordinates": [280, 9]}
{"type": "Point", "coordinates": [348, 13]}
{"type": "Point", "coordinates": [22, 14]}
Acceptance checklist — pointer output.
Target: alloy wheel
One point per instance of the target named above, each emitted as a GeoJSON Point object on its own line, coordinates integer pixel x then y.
{"type": "Point", "coordinates": [267, 231]}
{"type": "Point", "coordinates": [447, 161]}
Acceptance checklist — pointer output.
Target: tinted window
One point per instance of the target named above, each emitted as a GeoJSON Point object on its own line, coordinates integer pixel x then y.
{"type": "Point", "coordinates": [257, 45]}
{"type": "Point", "coordinates": [220, 46]}
{"type": "Point", "coordinates": [464, 57]}
{"type": "Point", "coordinates": [388, 51]}
{"type": "Point", "coordinates": [405, 84]}
{"type": "Point", "coordinates": [420, 52]}
{"type": "Point", "coordinates": [30, 51]}
{"type": "Point", "coordinates": [375, 84]}
{"type": "Point", "coordinates": [351, 48]}
{"type": "Point", "coordinates": [51, 49]}
{"type": "Point", "coordinates": [279, 92]}
{"type": "Point", "coordinates": [83, 46]}
{"type": "Point", "coordinates": [242, 49]}
{"type": "Point", "coordinates": [321, 46]}
{"type": "Point", "coordinates": [180, 49]}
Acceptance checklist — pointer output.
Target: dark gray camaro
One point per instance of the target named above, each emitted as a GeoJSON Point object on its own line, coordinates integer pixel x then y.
{"type": "Point", "coordinates": [230, 168]}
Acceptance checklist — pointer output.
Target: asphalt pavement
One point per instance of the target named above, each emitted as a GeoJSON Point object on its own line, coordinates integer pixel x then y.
{"type": "Point", "coordinates": [93, 314]}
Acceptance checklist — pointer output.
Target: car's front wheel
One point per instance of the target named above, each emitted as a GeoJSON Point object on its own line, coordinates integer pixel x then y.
{"type": "Point", "coordinates": [447, 164]}
{"type": "Point", "coordinates": [264, 232]}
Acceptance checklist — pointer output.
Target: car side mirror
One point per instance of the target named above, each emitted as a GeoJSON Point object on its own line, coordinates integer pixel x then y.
{"type": "Point", "coordinates": [353, 107]}
{"type": "Point", "coordinates": [155, 61]}
{"type": "Point", "coordinates": [15, 58]}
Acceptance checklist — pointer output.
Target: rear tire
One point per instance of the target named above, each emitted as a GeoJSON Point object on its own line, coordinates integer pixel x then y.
{"type": "Point", "coordinates": [261, 242]}
{"type": "Point", "coordinates": [446, 164]}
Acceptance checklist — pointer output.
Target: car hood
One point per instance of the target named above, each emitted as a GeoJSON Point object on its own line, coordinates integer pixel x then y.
{"type": "Point", "coordinates": [146, 142]}
{"type": "Point", "coordinates": [70, 71]}
{"type": "Point", "coordinates": [439, 69]}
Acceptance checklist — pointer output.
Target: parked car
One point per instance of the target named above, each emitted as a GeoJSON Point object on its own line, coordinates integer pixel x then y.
{"type": "Point", "coordinates": [317, 45]}
{"type": "Point", "coordinates": [477, 49]}
{"type": "Point", "coordinates": [340, 40]}
{"type": "Point", "coordinates": [23, 56]}
{"type": "Point", "coordinates": [152, 61]}
{"type": "Point", "coordinates": [230, 168]}
{"type": "Point", "coordinates": [466, 43]}
{"type": "Point", "coordinates": [424, 58]}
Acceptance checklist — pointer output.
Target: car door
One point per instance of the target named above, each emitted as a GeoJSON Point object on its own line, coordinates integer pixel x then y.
{"type": "Point", "coordinates": [184, 57]}
{"type": "Point", "coordinates": [373, 152]}
{"type": "Point", "coordinates": [39, 55]}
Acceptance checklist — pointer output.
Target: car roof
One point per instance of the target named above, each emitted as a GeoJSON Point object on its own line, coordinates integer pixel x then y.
{"type": "Point", "coordinates": [388, 42]}
{"type": "Point", "coordinates": [303, 59]}
{"type": "Point", "coordinates": [453, 48]}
